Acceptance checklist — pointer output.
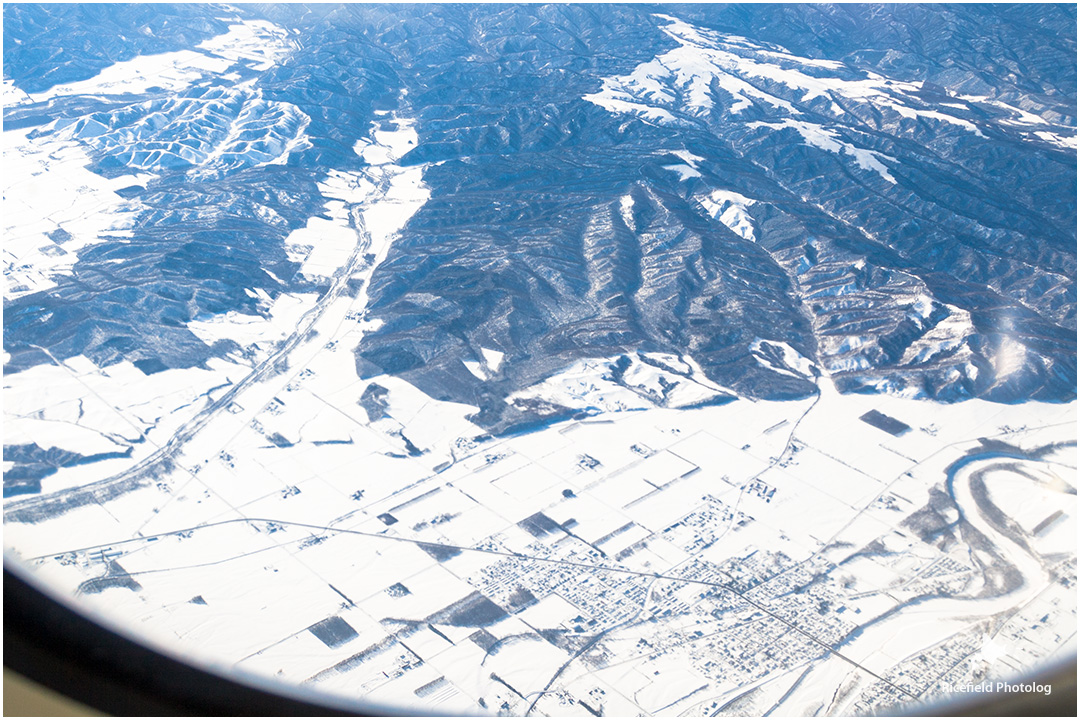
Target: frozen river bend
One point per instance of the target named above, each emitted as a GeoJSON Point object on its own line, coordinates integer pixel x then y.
{"type": "Point", "coordinates": [549, 360]}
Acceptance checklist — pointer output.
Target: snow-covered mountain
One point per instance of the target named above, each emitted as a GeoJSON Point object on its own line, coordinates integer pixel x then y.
{"type": "Point", "coordinates": [675, 187]}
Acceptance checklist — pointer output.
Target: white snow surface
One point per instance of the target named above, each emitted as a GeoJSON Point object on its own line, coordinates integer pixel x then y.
{"type": "Point", "coordinates": [825, 139]}
{"type": "Point", "coordinates": [626, 210]}
{"type": "Point", "coordinates": [492, 358]}
{"type": "Point", "coordinates": [732, 209]}
{"type": "Point", "coordinates": [590, 384]}
{"type": "Point", "coordinates": [387, 146]}
{"type": "Point", "coordinates": [255, 43]}
{"type": "Point", "coordinates": [224, 130]}
{"type": "Point", "coordinates": [680, 80]}
{"type": "Point", "coordinates": [388, 196]}
{"type": "Point", "coordinates": [258, 43]}
{"type": "Point", "coordinates": [688, 157]}
{"type": "Point", "coordinates": [54, 207]}
{"type": "Point", "coordinates": [948, 335]}
{"type": "Point", "coordinates": [782, 358]}
{"type": "Point", "coordinates": [685, 172]}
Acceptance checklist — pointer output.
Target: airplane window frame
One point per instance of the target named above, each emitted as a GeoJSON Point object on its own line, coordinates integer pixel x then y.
{"type": "Point", "coordinates": [49, 641]}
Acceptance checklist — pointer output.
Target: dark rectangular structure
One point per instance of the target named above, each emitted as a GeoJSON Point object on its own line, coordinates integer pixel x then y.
{"type": "Point", "coordinates": [333, 631]}
{"type": "Point", "coordinates": [883, 422]}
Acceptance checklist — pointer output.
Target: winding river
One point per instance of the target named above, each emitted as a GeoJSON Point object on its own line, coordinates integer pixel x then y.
{"type": "Point", "coordinates": [920, 624]}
